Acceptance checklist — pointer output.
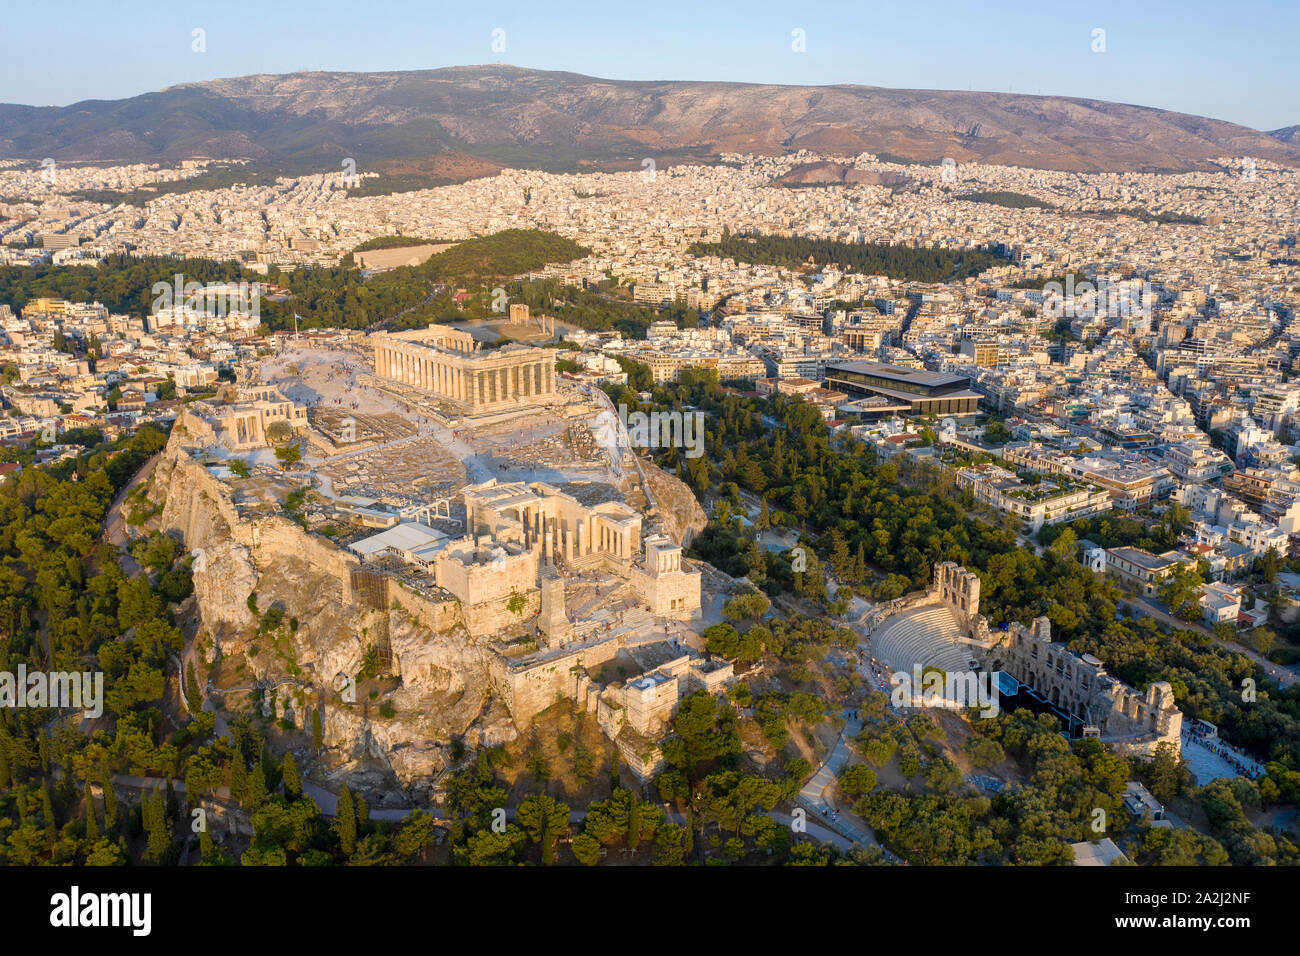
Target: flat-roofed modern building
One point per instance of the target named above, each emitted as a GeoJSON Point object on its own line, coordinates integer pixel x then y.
{"type": "Point", "coordinates": [927, 393]}
{"type": "Point", "coordinates": [1142, 569]}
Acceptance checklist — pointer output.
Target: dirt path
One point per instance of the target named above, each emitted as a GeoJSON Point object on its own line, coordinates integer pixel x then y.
{"type": "Point", "coordinates": [115, 532]}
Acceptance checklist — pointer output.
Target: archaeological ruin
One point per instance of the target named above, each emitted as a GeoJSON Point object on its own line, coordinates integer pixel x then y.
{"type": "Point", "coordinates": [446, 363]}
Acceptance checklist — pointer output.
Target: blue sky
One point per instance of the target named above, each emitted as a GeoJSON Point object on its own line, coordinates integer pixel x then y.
{"type": "Point", "coordinates": [1232, 61]}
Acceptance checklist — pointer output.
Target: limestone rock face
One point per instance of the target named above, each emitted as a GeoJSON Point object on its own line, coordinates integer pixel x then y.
{"type": "Point", "coordinates": [222, 586]}
{"type": "Point", "coordinates": [445, 678]}
{"type": "Point", "coordinates": [678, 510]}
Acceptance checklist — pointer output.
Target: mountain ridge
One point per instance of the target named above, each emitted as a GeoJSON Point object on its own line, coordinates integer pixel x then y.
{"type": "Point", "coordinates": [560, 120]}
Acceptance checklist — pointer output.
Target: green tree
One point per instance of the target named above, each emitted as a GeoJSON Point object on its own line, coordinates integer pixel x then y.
{"type": "Point", "coordinates": [345, 822]}
{"type": "Point", "coordinates": [586, 849]}
{"type": "Point", "coordinates": [1180, 592]}
{"type": "Point", "coordinates": [545, 820]}
{"type": "Point", "coordinates": [670, 845]}
{"type": "Point", "coordinates": [92, 827]}
{"type": "Point", "coordinates": [996, 432]}
{"type": "Point", "coordinates": [416, 833]}
{"type": "Point", "coordinates": [857, 780]}
{"type": "Point", "coordinates": [292, 778]}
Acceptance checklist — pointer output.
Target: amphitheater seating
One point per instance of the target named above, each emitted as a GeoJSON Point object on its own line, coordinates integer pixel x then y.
{"type": "Point", "coordinates": [926, 636]}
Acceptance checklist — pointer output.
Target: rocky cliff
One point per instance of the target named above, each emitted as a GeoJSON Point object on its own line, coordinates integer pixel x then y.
{"type": "Point", "coordinates": [442, 679]}
{"type": "Point", "coordinates": [676, 507]}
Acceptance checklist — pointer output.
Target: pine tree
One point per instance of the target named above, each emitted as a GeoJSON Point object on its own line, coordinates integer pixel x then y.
{"type": "Point", "coordinates": [633, 822]}
{"type": "Point", "coordinates": [256, 788]}
{"type": "Point", "coordinates": [271, 773]}
{"type": "Point", "coordinates": [92, 827]}
{"type": "Point", "coordinates": [840, 560]}
{"type": "Point", "coordinates": [173, 805]}
{"type": "Point", "coordinates": [156, 826]}
{"type": "Point", "coordinates": [363, 814]}
{"type": "Point", "coordinates": [292, 779]}
{"type": "Point", "coordinates": [110, 805]}
{"type": "Point", "coordinates": [317, 734]}
{"type": "Point", "coordinates": [47, 811]}
{"type": "Point", "coordinates": [238, 778]}
{"type": "Point", "coordinates": [345, 822]}
{"type": "Point", "coordinates": [206, 847]}
{"type": "Point", "coordinates": [193, 696]}
{"type": "Point", "coordinates": [756, 560]}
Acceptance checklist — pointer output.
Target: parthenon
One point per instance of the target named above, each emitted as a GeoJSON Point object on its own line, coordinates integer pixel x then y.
{"type": "Point", "coordinates": [445, 362]}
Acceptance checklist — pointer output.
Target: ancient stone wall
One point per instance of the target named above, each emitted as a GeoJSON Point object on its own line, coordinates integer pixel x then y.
{"type": "Point", "coordinates": [528, 690]}
{"type": "Point", "coordinates": [675, 594]}
{"type": "Point", "coordinates": [1079, 685]}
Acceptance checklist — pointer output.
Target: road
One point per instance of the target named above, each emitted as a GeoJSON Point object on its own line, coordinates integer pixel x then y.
{"type": "Point", "coordinates": [814, 790]}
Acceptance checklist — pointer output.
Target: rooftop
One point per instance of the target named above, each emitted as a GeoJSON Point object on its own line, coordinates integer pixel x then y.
{"type": "Point", "coordinates": [914, 376]}
{"type": "Point", "coordinates": [1144, 559]}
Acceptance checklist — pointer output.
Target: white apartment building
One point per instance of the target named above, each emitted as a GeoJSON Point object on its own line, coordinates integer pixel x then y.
{"type": "Point", "coordinates": [1196, 463]}
{"type": "Point", "coordinates": [1048, 502]}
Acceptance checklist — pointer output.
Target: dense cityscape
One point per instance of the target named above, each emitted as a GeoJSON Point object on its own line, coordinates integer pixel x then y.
{"type": "Point", "coordinates": [812, 507]}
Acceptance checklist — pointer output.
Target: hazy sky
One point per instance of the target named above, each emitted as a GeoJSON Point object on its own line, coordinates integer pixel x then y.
{"type": "Point", "coordinates": [1234, 61]}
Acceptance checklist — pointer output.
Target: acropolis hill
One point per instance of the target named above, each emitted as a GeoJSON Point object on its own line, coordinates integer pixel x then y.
{"type": "Point", "coordinates": [467, 602]}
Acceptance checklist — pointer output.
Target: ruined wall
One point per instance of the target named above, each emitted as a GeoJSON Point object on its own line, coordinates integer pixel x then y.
{"type": "Point", "coordinates": [492, 617]}
{"type": "Point", "coordinates": [529, 690]}
{"type": "Point", "coordinates": [675, 594]}
{"type": "Point", "coordinates": [1080, 685]}
{"type": "Point", "coordinates": [486, 587]}
{"type": "Point", "coordinates": [958, 588]}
